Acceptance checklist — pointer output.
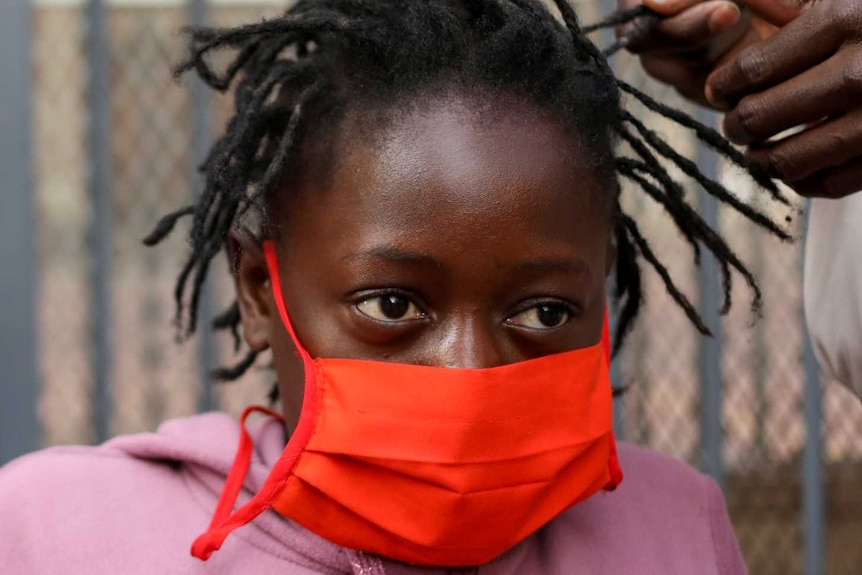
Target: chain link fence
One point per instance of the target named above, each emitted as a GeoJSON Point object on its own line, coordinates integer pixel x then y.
{"type": "Point", "coordinates": [132, 374]}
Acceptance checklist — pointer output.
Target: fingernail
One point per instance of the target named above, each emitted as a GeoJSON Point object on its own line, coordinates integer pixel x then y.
{"type": "Point", "coordinates": [715, 100]}
{"type": "Point", "coordinates": [723, 18]}
{"type": "Point", "coordinates": [710, 97]}
{"type": "Point", "coordinates": [662, 6]}
{"type": "Point", "coordinates": [715, 96]}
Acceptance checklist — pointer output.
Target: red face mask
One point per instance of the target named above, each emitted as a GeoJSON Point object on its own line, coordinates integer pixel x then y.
{"type": "Point", "coordinates": [431, 465]}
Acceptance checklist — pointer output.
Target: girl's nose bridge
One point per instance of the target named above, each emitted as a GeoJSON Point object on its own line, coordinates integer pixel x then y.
{"type": "Point", "coordinates": [470, 343]}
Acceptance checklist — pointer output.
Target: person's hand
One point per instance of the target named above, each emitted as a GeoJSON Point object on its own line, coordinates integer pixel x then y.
{"type": "Point", "coordinates": [807, 74]}
{"type": "Point", "coordinates": [693, 37]}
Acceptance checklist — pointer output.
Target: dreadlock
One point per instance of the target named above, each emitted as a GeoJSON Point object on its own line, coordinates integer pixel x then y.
{"type": "Point", "coordinates": [321, 56]}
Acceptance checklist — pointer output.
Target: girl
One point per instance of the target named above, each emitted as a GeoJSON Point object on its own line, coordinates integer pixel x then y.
{"type": "Point", "coordinates": [419, 201]}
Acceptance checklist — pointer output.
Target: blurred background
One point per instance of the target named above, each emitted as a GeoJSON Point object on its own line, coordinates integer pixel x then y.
{"type": "Point", "coordinates": [97, 141]}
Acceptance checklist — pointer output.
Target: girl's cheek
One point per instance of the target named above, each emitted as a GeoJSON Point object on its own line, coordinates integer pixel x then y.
{"type": "Point", "coordinates": [290, 376]}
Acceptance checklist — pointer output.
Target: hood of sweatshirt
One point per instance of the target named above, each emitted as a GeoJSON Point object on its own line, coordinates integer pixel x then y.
{"type": "Point", "coordinates": [136, 504]}
{"type": "Point", "coordinates": [205, 446]}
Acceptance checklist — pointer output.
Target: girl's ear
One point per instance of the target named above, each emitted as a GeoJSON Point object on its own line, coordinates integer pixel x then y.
{"type": "Point", "coordinates": [251, 279]}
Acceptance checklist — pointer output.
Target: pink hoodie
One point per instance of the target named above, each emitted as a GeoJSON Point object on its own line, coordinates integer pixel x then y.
{"type": "Point", "coordinates": [135, 504]}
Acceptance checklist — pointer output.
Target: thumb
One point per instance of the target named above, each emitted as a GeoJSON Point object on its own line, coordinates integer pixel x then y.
{"type": "Point", "coordinates": [776, 12]}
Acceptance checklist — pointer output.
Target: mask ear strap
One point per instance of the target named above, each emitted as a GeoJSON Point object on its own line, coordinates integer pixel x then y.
{"type": "Point", "coordinates": [223, 522]}
{"type": "Point", "coordinates": [309, 401]}
{"type": "Point", "coordinates": [614, 465]}
{"type": "Point", "coordinates": [275, 281]}
{"type": "Point", "coordinates": [606, 338]}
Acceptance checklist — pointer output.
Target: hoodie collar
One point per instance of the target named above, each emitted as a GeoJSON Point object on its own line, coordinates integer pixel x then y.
{"type": "Point", "coordinates": [204, 446]}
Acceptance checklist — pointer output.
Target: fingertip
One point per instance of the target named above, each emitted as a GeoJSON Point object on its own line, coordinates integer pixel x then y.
{"type": "Point", "coordinates": [713, 95]}
{"type": "Point", "coordinates": [723, 18]}
{"type": "Point", "coordinates": [710, 96]}
{"type": "Point", "coordinates": [669, 7]}
{"type": "Point", "coordinates": [707, 93]}
{"type": "Point", "coordinates": [734, 131]}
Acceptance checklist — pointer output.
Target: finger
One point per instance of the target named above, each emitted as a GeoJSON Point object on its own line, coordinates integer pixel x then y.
{"type": "Point", "coordinates": [670, 7]}
{"type": "Point", "coordinates": [689, 76]}
{"type": "Point", "coordinates": [776, 12]}
{"type": "Point", "coordinates": [688, 31]}
{"type": "Point", "coordinates": [798, 46]}
{"type": "Point", "coordinates": [827, 145]}
{"type": "Point", "coordinates": [688, 81]}
{"type": "Point", "coordinates": [764, 28]}
{"type": "Point", "coordinates": [829, 89]}
{"type": "Point", "coordinates": [833, 183]}
{"type": "Point", "coordinates": [751, 37]}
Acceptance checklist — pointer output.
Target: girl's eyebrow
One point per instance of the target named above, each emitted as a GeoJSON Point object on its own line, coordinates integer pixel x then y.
{"type": "Point", "coordinates": [565, 265]}
{"type": "Point", "coordinates": [573, 266]}
{"type": "Point", "coordinates": [396, 255]}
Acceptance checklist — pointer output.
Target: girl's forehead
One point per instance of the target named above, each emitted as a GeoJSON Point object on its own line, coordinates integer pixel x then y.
{"type": "Point", "coordinates": [446, 176]}
{"type": "Point", "coordinates": [476, 156]}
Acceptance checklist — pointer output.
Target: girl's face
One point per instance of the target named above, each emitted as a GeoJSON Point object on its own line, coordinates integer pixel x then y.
{"type": "Point", "coordinates": [447, 240]}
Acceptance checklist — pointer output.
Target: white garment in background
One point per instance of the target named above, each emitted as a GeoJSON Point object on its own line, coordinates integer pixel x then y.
{"type": "Point", "coordinates": [833, 287]}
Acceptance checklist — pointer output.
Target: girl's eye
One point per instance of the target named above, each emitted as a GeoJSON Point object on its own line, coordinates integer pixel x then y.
{"type": "Point", "coordinates": [545, 316]}
{"type": "Point", "coordinates": [391, 307]}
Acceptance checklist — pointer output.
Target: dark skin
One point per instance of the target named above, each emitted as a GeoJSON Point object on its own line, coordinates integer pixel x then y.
{"type": "Point", "coordinates": [807, 74]}
{"type": "Point", "coordinates": [793, 65]}
{"type": "Point", "coordinates": [694, 37]}
{"type": "Point", "coordinates": [444, 239]}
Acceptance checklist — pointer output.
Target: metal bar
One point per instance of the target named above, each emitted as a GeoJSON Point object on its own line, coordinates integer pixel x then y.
{"type": "Point", "coordinates": [813, 488]}
{"type": "Point", "coordinates": [606, 38]}
{"type": "Point", "coordinates": [761, 357]}
{"type": "Point", "coordinates": [709, 361]}
{"type": "Point", "coordinates": [201, 140]}
{"type": "Point", "coordinates": [19, 385]}
{"type": "Point", "coordinates": [642, 422]}
{"type": "Point", "coordinates": [99, 233]}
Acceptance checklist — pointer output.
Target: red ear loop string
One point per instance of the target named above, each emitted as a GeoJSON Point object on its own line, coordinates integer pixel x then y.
{"type": "Point", "coordinates": [615, 470]}
{"type": "Point", "coordinates": [606, 338]}
{"type": "Point", "coordinates": [223, 523]}
{"type": "Point", "coordinates": [239, 469]}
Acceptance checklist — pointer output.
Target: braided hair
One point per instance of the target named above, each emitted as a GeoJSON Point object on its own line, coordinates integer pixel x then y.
{"type": "Point", "coordinates": [303, 69]}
